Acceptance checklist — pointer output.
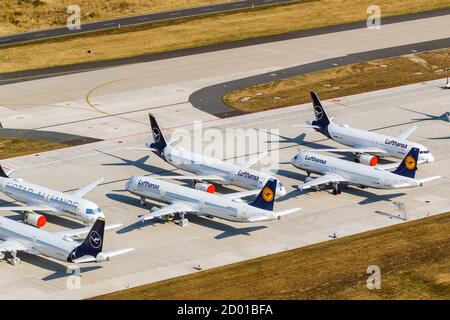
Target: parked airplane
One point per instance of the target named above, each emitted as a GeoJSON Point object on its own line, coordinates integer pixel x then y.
{"type": "Point", "coordinates": [183, 200]}
{"type": "Point", "coordinates": [206, 168]}
{"type": "Point", "coordinates": [16, 236]}
{"type": "Point", "coordinates": [53, 202]}
{"type": "Point", "coordinates": [366, 145]}
{"type": "Point", "coordinates": [338, 172]}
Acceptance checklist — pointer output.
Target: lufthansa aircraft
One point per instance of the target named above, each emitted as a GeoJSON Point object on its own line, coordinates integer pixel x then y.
{"type": "Point", "coordinates": [53, 202]}
{"type": "Point", "coordinates": [206, 168]}
{"type": "Point", "coordinates": [16, 236]}
{"type": "Point", "coordinates": [366, 145]}
{"type": "Point", "coordinates": [338, 172]}
{"type": "Point", "coordinates": [184, 200]}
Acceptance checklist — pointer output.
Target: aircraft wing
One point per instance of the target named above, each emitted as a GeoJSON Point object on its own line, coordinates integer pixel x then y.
{"type": "Point", "coordinates": [170, 209]}
{"type": "Point", "coordinates": [325, 179]}
{"type": "Point", "coordinates": [211, 178]}
{"type": "Point", "coordinates": [85, 189]}
{"type": "Point", "coordinates": [407, 132]}
{"type": "Point", "coordinates": [243, 194]}
{"type": "Point", "coordinates": [83, 231]}
{"type": "Point", "coordinates": [29, 208]}
{"type": "Point", "coordinates": [254, 159]}
{"type": "Point", "coordinates": [11, 245]}
{"type": "Point", "coordinates": [353, 150]}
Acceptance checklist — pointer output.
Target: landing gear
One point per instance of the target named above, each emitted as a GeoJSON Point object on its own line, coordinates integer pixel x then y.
{"type": "Point", "coordinates": [183, 221]}
{"type": "Point", "coordinates": [169, 217]}
{"type": "Point", "coordinates": [142, 202]}
{"type": "Point", "coordinates": [14, 260]}
{"type": "Point", "coordinates": [337, 189]}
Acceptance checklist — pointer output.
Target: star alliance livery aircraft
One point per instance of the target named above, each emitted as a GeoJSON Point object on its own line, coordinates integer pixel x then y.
{"type": "Point", "coordinates": [184, 200]}
{"type": "Point", "coordinates": [338, 172]}
{"type": "Point", "coordinates": [206, 168]}
{"type": "Point", "coordinates": [16, 236]}
{"type": "Point", "coordinates": [53, 202]}
{"type": "Point", "coordinates": [366, 145]}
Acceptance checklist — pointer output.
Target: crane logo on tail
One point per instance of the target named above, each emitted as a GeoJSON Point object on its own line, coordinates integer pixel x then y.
{"type": "Point", "coordinates": [410, 163]}
{"type": "Point", "coordinates": [267, 194]}
{"type": "Point", "coordinates": [156, 134]}
{"type": "Point", "coordinates": [95, 240]}
{"type": "Point", "coordinates": [319, 112]}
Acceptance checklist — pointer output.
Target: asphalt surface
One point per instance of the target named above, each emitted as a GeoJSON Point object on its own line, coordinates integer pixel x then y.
{"type": "Point", "coordinates": [137, 20]}
{"type": "Point", "coordinates": [14, 77]}
{"type": "Point", "coordinates": [209, 99]}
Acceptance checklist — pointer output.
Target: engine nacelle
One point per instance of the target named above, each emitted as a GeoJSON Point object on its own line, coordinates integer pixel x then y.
{"type": "Point", "coordinates": [368, 160]}
{"type": "Point", "coordinates": [35, 219]}
{"type": "Point", "coordinates": [207, 187]}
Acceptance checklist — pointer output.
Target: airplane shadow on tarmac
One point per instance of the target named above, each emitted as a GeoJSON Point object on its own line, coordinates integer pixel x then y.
{"type": "Point", "coordinates": [227, 230]}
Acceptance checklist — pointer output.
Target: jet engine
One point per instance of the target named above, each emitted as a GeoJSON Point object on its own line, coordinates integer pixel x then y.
{"type": "Point", "coordinates": [35, 219]}
{"type": "Point", "coordinates": [368, 160]}
{"type": "Point", "coordinates": [208, 187]}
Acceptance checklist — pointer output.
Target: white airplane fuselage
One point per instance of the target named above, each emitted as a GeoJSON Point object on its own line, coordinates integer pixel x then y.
{"type": "Point", "coordinates": [65, 204]}
{"type": "Point", "coordinates": [355, 173]}
{"type": "Point", "coordinates": [37, 241]}
{"type": "Point", "coordinates": [394, 147]}
{"type": "Point", "coordinates": [230, 173]}
{"type": "Point", "coordinates": [204, 203]}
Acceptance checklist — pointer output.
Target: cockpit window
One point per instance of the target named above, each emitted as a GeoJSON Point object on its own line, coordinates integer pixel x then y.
{"type": "Point", "coordinates": [425, 151]}
{"type": "Point", "coordinates": [93, 211]}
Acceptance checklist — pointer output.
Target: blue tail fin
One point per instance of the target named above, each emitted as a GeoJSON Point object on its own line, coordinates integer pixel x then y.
{"type": "Point", "coordinates": [93, 244]}
{"type": "Point", "coordinates": [408, 166]}
{"type": "Point", "coordinates": [322, 119]}
{"type": "Point", "coordinates": [266, 197]}
{"type": "Point", "coordinates": [159, 143]}
{"type": "Point", "coordinates": [2, 173]}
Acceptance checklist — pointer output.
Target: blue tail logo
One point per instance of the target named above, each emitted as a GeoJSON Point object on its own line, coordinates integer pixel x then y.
{"type": "Point", "coordinates": [266, 197]}
{"type": "Point", "coordinates": [2, 173]}
{"type": "Point", "coordinates": [408, 166]}
{"type": "Point", "coordinates": [159, 143]}
{"type": "Point", "coordinates": [322, 120]}
{"type": "Point", "coordinates": [93, 244]}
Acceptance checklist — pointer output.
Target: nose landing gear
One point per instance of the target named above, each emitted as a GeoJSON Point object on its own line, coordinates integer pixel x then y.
{"type": "Point", "coordinates": [337, 189]}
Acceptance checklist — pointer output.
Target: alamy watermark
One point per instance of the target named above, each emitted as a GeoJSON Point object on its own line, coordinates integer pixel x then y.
{"type": "Point", "coordinates": [374, 280]}
{"type": "Point", "coordinates": [374, 19]}
{"type": "Point", "coordinates": [74, 18]}
{"type": "Point", "coordinates": [232, 144]}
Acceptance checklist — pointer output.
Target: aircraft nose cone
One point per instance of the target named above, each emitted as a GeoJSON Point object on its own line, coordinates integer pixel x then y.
{"type": "Point", "coordinates": [430, 158]}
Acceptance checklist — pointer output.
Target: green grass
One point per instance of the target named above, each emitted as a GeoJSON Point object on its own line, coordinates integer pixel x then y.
{"type": "Point", "coordinates": [15, 147]}
{"type": "Point", "coordinates": [342, 81]}
{"type": "Point", "coordinates": [199, 31]}
{"type": "Point", "coordinates": [413, 258]}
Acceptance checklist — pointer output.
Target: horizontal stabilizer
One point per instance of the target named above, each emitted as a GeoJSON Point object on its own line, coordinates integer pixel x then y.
{"type": "Point", "coordinates": [428, 179]}
{"type": "Point", "coordinates": [82, 231]}
{"type": "Point", "coordinates": [143, 148]}
{"type": "Point", "coordinates": [102, 256]}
